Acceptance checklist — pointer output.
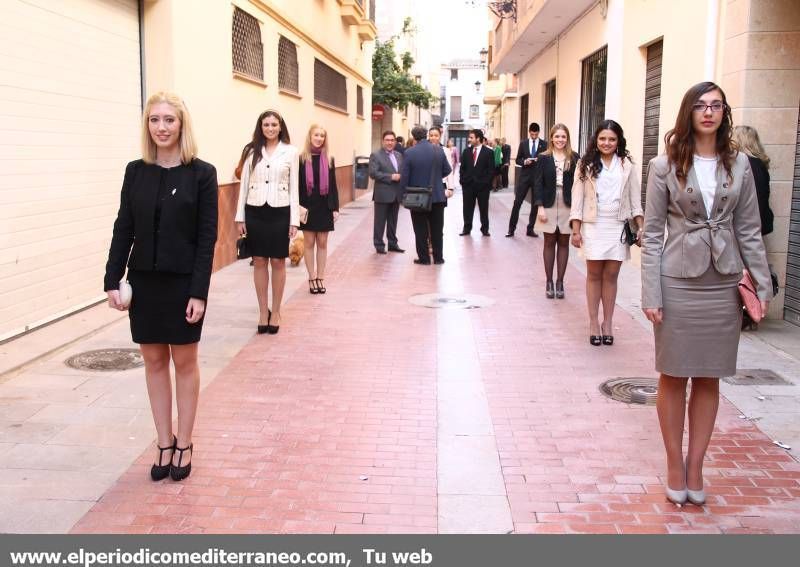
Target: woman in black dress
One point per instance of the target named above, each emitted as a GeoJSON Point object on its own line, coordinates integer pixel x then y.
{"type": "Point", "coordinates": [166, 228]}
{"type": "Point", "coordinates": [268, 211]}
{"type": "Point", "coordinates": [318, 194]}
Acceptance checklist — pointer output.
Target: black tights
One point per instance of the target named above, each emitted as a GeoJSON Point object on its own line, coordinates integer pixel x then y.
{"type": "Point", "coordinates": [549, 254]}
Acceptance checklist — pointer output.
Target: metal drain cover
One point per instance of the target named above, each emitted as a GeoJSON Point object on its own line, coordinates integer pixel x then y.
{"type": "Point", "coordinates": [108, 359]}
{"type": "Point", "coordinates": [450, 301]}
{"type": "Point", "coordinates": [756, 377]}
{"type": "Point", "coordinates": [631, 390]}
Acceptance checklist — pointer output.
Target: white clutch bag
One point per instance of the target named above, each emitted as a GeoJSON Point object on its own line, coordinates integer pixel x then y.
{"type": "Point", "coordinates": [125, 293]}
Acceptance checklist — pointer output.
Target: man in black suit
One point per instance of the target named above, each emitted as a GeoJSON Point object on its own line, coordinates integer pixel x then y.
{"type": "Point", "coordinates": [527, 156]}
{"type": "Point", "coordinates": [506, 149]}
{"type": "Point", "coordinates": [477, 170]}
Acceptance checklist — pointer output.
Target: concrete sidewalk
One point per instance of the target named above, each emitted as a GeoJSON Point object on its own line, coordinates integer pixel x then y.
{"type": "Point", "coordinates": [367, 413]}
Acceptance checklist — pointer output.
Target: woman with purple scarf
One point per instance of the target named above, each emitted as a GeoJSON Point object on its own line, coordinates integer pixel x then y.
{"type": "Point", "coordinates": [318, 194]}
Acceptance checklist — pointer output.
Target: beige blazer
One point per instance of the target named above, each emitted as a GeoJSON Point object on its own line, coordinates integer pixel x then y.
{"type": "Point", "coordinates": [730, 239]}
{"type": "Point", "coordinates": [584, 195]}
{"type": "Point", "coordinates": [275, 180]}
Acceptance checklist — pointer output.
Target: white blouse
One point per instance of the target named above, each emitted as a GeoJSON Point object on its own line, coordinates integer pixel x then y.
{"type": "Point", "coordinates": [706, 171]}
{"type": "Point", "coordinates": [609, 184]}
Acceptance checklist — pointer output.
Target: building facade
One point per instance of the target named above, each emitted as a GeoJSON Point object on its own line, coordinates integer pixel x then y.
{"type": "Point", "coordinates": [580, 61]}
{"type": "Point", "coordinates": [76, 76]}
{"type": "Point", "coordinates": [461, 96]}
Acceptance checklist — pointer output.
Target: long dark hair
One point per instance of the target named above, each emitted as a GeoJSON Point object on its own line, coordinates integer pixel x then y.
{"type": "Point", "coordinates": [259, 141]}
{"type": "Point", "coordinates": [591, 162]}
{"type": "Point", "coordinates": [679, 141]}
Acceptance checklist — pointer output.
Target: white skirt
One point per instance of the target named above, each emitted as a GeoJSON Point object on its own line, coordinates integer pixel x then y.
{"type": "Point", "coordinates": [601, 238]}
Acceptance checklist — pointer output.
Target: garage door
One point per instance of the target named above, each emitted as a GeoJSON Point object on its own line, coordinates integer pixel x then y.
{"type": "Point", "coordinates": [791, 308]}
{"type": "Point", "coordinates": [70, 106]}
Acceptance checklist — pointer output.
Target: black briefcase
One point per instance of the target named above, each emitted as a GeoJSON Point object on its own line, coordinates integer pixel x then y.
{"type": "Point", "coordinates": [418, 199]}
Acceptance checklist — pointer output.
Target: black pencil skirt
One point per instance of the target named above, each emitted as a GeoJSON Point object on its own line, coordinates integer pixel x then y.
{"type": "Point", "coordinates": [267, 230]}
{"type": "Point", "coordinates": [158, 309]}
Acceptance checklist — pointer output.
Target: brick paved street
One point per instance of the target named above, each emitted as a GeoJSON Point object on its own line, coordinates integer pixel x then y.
{"type": "Point", "coordinates": [368, 414]}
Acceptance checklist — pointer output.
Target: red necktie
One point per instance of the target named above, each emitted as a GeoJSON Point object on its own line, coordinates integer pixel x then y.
{"type": "Point", "coordinates": [475, 155]}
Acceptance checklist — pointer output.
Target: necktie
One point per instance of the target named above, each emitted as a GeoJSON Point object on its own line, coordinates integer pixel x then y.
{"type": "Point", "coordinates": [533, 148]}
{"type": "Point", "coordinates": [475, 155]}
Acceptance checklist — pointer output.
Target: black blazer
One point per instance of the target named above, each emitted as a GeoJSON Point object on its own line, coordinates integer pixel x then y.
{"type": "Point", "coordinates": [187, 230]}
{"type": "Point", "coordinates": [333, 191]}
{"type": "Point", "coordinates": [761, 177]}
{"type": "Point", "coordinates": [478, 176]}
{"type": "Point", "coordinates": [544, 181]}
{"type": "Point", "coordinates": [523, 153]}
{"type": "Point", "coordinates": [506, 150]}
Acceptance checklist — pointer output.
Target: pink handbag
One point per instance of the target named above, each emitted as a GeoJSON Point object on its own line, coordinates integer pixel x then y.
{"type": "Point", "coordinates": [750, 300]}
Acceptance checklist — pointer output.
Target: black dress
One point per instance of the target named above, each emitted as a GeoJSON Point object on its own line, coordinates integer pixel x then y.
{"type": "Point", "coordinates": [320, 207]}
{"type": "Point", "coordinates": [169, 218]}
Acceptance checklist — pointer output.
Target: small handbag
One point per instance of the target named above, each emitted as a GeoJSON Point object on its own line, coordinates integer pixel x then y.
{"type": "Point", "coordinates": [750, 300]}
{"type": "Point", "coordinates": [125, 293]}
{"type": "Point", "coordinates": [242, 249]}
{"type": "Point", "coordinates": [628, 236]}
{"type": "Point", "coordinates": [420, 199]}
{"type": "Point", "coordinates": [303, 215]}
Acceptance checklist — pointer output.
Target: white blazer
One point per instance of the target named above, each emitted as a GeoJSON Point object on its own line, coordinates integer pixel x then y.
{"type": "Point", "coordinates": [274, 181]}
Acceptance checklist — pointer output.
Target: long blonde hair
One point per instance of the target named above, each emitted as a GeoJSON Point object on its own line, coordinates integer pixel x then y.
{"type": "Point", "coordinates": [567, 148]}
{"type": "Point", "coordinates": [187, 140]}
{"type": "Point", "coordinates": [306, 155]}
{"type": "Point", "coordinates": [747, 139]}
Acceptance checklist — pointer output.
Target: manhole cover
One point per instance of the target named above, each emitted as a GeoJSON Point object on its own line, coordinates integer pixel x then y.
{"type": "Point", "coordinates": [756, 377]}
{"type": "Point", "coordinates": [631, 390]}
{"type": "Point", "coordinates": [106, 359]}
{"type": "Point", "coordinates": [448, 301]}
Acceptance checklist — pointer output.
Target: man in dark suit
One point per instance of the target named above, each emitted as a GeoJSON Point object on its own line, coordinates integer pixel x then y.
{"type": "Point", "coordinates": [506, 149]}
{"type": "Point", "coordinates": [527, 157]}
{"type": "Point", "coordinates": [384, 168]}
{"type": "Point", "coordinates": [425, 165]}
{"type": "Point", "coordinates": [400, 146]}
{"type": "Point", "coordinates": [477, 170]}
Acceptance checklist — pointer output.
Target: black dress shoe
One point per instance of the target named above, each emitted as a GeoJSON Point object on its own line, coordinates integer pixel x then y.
{"type": "Point", "coordinates": [509, 234]}
{"type": "Point", "coordinates": [159, 471]}
{"type": "Point", "coordinates": [422, 262]}
{"type": "Point", "coordinates": [485, 233]}
{"type": "Point", "coordinates": [464, 233]}
{"type": "Point", "coordinates": [595, 340]}
{"type": "Point", "coordinates": [396, 249]}
{"type": "Point", "coordinates": [549, 291]}
{"type": "Point", "coordinates": [531, 233]}
{"type": "Point", "coordinates": [439, 261]}
{"type": "Point", "coordinates": [177, 472]}
{"type": "Point", "coordinates": [380, 251]}
{"type": "Point", "coordinates": [559, 290]}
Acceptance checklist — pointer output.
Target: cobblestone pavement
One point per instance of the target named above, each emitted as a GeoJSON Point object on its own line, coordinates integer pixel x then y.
{"type": "Point", "coordinates": [368, 413]}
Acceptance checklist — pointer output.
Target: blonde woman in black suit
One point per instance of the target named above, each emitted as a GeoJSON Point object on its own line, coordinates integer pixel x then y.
{"type": "Point", "coordinates": [268, 211]}
{"type": "Point", "coordinates": [703, 192]}
{"type": "Point", "coordinates": [165, 230]}
{"type": "Point", "coordinates": [552, 194]}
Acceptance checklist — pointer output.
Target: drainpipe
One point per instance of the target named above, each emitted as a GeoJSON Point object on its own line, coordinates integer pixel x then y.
{"type": "Point", "coordinates": [712, 28]}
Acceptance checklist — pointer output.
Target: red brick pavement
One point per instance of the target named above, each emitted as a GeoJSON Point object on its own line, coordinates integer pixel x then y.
{"type": "Point", "coordinates": [331, 425]}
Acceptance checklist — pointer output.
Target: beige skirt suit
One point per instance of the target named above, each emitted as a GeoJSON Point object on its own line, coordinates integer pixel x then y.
{"type": "Point", "coordinates": [693, 273]}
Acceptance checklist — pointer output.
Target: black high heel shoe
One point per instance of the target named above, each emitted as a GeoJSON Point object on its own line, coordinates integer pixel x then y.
{"type": "Point", "coordinates": [263, 329]}
{"type": "Point", "coordinates": [549, 290]}
{"type": "Point", "coordinates": [159, 471]}
{"type": "Point", "coordinates": [559, 290]}
{"type": "Point", "coordinates": [608, 340]}
{"type": "Point", "coordinates": [272, 329]}
{"type": "Point", "coordinates": [177, 472]}
{"type": "Point", "coordinates": [595, 340]}
{"type": "Point", "coordinates": [320, 287]}
{"type": "Point", "coordinates": [312, 287]}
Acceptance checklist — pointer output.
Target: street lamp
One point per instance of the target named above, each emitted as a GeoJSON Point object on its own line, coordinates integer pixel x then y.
{"type": "Point", "coordinates": [477, 86]}
{"type": "Point", "coordinates": [484, 53]}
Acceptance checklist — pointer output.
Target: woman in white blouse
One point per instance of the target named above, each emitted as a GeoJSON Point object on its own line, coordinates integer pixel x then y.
{"type": "Point", "coordinates": [606, 193]}
{"type": "Point", "coordinates": [268, 211]}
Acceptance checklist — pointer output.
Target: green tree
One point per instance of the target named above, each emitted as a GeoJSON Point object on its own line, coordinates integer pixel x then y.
{"type": "Point", "coordinates": [393, 86]}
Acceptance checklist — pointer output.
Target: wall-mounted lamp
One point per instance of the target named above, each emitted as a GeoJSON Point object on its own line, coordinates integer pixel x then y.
{"type": "Point", "coordinates": [505, 9]}
{"type": "Point", "coordinates": [477, 86]}
{"type": "Point", "coordinates": [484, 53]}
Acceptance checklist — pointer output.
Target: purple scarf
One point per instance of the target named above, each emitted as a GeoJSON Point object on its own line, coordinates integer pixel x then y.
{"type": "Point", "coordinates": [323, 173]}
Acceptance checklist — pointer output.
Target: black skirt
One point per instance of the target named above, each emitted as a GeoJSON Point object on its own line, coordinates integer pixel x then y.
{"type": "Point", "coordinates": [267, 230]}
{"type": "Point", "coordinates": [320, 217]}
{"type": "Point", "coordinates": [158, 309]}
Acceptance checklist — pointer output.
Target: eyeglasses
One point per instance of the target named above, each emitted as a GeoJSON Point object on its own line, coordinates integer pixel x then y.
{"type": "Point", "coordinates": [714, 106]}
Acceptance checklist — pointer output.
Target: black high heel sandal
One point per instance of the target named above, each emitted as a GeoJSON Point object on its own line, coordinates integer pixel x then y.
{"type": "Point", "coordinates": [320, 287]}
{"type": "Point", "coordinates": [177, 472]}
{"type": "Point", "coordinates": [312, 287]}
{"type": "Point", "coordinates": [159, 471]}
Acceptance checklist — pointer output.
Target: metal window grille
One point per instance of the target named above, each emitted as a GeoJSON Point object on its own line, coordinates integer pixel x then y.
{"type": "Point", "coordinates": [288, 71]}
{"type": "Point", "coordinates": [549, 106]}
{"type": "Point", "coordinates": [593, 95]}
{"type": "Point", "coordinates": [652, 109]}
{"type": "Point", "coordinates": [359, 100]}
{"type": "Point", "coordinates": [330, 87]}
{"type": "Point", "coordinates": [455, 109]}
{"type": "Point", "coordinates": [474, 111]}
{"type": "Point", "coordinates": [248, 51]}
{"type": "Point", "coordinates": [523, 117]}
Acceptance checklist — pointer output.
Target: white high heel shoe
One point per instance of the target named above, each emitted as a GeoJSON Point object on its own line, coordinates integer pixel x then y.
{"type": "Point", "coordinates": [696, 497]}
{"type": "Point", "coordinates": [678, 497]}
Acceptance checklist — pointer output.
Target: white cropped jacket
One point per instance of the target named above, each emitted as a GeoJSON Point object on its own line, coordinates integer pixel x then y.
{"type": "Point", "coordinates": [274, 181]}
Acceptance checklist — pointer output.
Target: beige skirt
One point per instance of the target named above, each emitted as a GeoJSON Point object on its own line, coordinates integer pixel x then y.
{"type": "Point", "coordinates": [699, 336]}
{"type": "Point", "coordinates": [557, 216]}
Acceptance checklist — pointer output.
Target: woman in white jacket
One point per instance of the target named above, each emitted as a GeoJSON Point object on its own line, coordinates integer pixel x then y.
{"type": "Point", "coordinates": [268, 211]}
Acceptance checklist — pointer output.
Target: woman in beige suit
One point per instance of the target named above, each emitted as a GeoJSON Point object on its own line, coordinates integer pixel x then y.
{"type": "Point", "coordinates": [703, 191]}
{"type": "Point", "coordinates": [606, 193]}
